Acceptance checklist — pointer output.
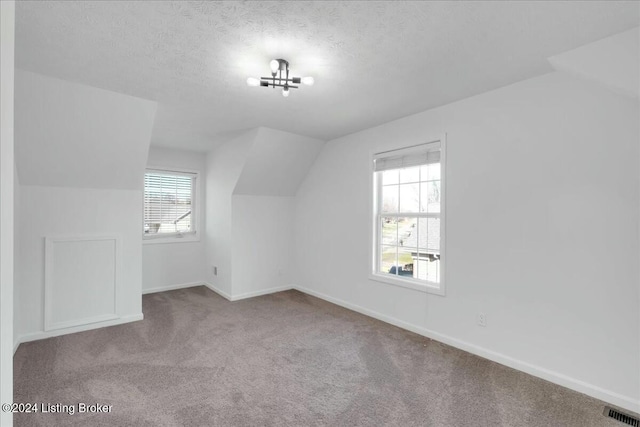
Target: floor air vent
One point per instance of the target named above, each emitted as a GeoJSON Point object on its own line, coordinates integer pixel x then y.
{"type": "Point", "coordinates": [621, 416]}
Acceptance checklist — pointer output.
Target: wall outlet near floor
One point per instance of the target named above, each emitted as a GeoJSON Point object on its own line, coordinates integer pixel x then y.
{"type": "Point", "coordinates": [214, 270]}
{"type": "Point", "coordinates": [481, 319]}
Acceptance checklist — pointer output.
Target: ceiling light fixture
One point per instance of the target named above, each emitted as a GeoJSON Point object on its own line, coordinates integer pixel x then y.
{"type": "Point", "coordinates": [277, 79]}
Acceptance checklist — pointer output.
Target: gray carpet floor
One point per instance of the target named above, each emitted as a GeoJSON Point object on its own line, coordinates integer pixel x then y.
{"type": "Point", "coordinates": [286, 359]}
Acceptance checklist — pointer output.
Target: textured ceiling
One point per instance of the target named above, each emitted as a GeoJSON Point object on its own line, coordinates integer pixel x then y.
{"type": "Point", "coordinates": [373, 61]}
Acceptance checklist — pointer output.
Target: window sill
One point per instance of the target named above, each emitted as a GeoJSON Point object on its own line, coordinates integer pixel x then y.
{"type": "Point", "coordinates": [409, 284]}
{"type": "Point", "coordinates": [172, 238]}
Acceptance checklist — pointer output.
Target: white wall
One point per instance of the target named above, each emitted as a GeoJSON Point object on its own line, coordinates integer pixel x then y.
{"type": "Point", "coordinates": [277, 163]}
{"type": "Point", "coordinates": [263, 244]}
{"type": "Point", "coordinates": [224, 166]}
{"type": "Point", "coordinates": [80, 154]}
{"type": "Point", "coordinates": [613, 62]}
{"type": "Point", "coordinates": [16, 251]}
{"type": "Point", "coordinates": [250, 184]}
{"type": "Point", "coordinates": [7, 44]}
{"type": "Point", "coordinates": [166, 265]}
{"type": "Point", "coordinates": [59, 211]}
{"type": "Point", "coordinates": [542, 231]}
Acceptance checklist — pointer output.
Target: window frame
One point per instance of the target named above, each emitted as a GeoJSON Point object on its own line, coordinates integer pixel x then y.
{"type": "Point", "coordinates": [177, 237]}
{"type": "Point", "coordinates": [376, 210]}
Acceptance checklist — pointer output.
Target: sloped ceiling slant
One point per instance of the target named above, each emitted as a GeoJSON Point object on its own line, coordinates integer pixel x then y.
{"type": "Point", "coordinates": [72, 135]}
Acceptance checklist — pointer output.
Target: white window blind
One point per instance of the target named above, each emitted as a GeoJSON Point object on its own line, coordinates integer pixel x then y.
{"type": "Point", "coordinates": [412, 156]}
{"type": "Point", "coordinates": [168, 202]}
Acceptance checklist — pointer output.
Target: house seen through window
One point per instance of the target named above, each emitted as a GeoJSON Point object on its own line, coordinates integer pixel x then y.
{"type": "Point", "coordinates": [168, 203]}
{"type": "Point", "coordinates": [408, 201]}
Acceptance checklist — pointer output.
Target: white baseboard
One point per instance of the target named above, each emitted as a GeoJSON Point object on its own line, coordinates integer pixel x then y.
{"type": "Point", "coordinates": [220, 292]}
{"type": "Point", "coordinates": [248, 294]}
{"type": "Point", "coordinates": [16, 344]}
{"type": "Point", "coordinates": [171, 287]}
{"type": "Point", "coordinates": [608, 396]}
{"type": "Point", "coordinates": [33, 336]}
{"type": "Point", "coordinates": [261, 292]}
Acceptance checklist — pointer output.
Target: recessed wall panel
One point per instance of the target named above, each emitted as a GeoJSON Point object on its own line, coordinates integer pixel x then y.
{"type": "Point", "coordinates": [81, 280]}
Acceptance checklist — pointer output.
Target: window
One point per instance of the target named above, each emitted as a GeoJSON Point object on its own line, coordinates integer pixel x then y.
{"type": "Point", "coordinates": [169, 208]}
{"type": "Point", "coordinates": [408, 217]}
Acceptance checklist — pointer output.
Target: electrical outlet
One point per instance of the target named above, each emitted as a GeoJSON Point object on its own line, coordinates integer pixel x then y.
{"type": "Point", "coordinates": [214, 270]}
{"type": "Point", "coordinates": [482, 319]}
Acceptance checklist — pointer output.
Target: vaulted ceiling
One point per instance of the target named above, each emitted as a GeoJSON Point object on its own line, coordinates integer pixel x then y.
{"type": "Point", "coordinates": [372, 61]}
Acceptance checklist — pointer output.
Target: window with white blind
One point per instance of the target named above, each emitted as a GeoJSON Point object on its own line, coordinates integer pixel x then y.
{"type": "Point", "coordinates": [409, 217]}
{"type": "Point", "coordinates": [169, 203]}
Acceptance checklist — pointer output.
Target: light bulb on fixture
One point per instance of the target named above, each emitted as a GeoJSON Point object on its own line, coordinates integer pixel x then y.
{"type": "Point", "coordinates": [280, 77]}
{"type": "Point", "coordinates": [275, 66]}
